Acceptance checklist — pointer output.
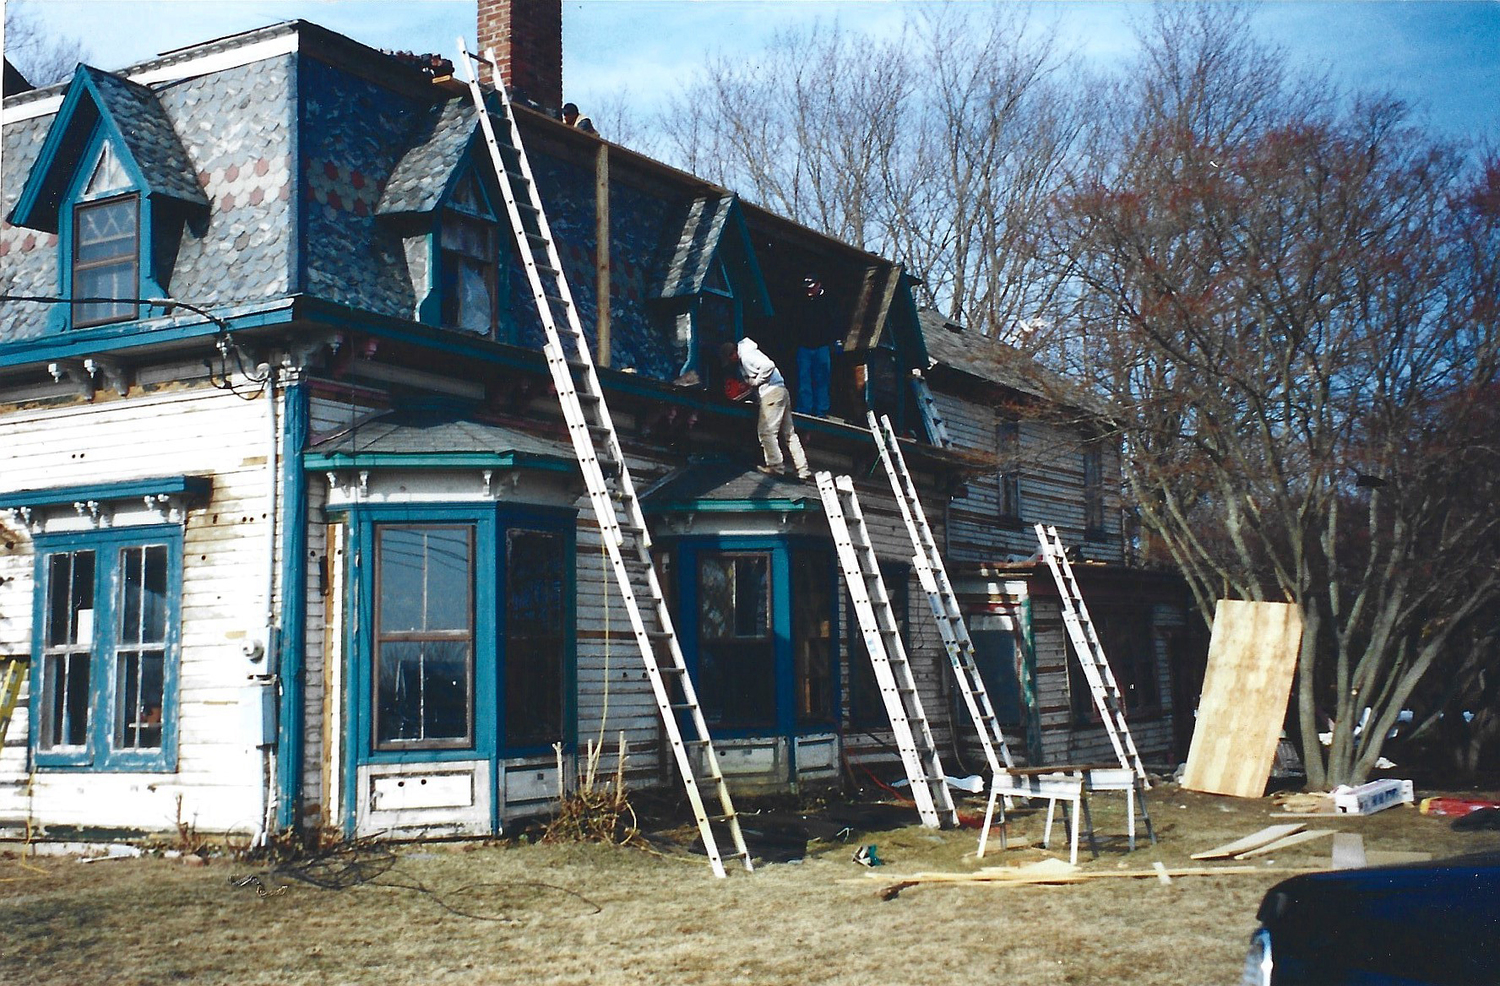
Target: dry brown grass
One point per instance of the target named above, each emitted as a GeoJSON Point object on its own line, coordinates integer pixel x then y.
{"type": "Point", "coordinates": [571, 913]}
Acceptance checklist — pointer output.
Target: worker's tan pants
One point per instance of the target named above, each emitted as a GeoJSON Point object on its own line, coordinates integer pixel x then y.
{"type": "Point", "coordinates": [775, 426]}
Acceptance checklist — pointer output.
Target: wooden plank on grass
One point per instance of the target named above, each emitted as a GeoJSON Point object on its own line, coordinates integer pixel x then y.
{"type": "Point", "coordinates": [1254, 840]}
{"type": "Point", "coordinates": [1290, 840]}
{"type": "Point", "coordinates": [1251, 657]}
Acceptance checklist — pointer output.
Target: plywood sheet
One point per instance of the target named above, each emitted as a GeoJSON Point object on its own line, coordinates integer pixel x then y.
{"type": "Point", "coordinates": [1251, 658]}
{"type": "Point", "coordinates": [1266, 836]}
{"type": "Point", "coordinates": [1295, 838]}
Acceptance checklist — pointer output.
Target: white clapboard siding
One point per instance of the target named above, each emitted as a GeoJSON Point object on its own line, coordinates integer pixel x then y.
{"type": "Point", "coordinates": [1051, 488]}
{"type": "Point", "coordinates": [181, 432]}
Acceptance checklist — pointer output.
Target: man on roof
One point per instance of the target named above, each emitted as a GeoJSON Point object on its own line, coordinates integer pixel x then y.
{"type": "Point", "coordinates": [774, 423]}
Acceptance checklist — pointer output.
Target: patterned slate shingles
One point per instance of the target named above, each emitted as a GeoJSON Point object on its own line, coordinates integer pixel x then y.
{"type": "Point", "coordinates": [28, 258]}
{"type": "Point", "coordinates": [420, 178]}
{"type": "Point", "coordinates": [236, 126]}
{"type": "Point", "coordinates": [149, 136]}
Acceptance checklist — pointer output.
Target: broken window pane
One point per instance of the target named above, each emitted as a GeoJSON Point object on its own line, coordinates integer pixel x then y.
{"type": "Point", "coordinates": [68, 649]}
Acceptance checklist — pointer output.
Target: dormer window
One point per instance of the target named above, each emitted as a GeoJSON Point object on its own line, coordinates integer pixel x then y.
{"type": "Point", "coordinates": [113, 181]}
{"type": "Point", "coordinates": [106, 258]}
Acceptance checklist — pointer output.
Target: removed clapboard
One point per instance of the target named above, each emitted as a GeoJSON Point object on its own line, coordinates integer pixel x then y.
{"type": "Point", "coordinates": [1251, 658]}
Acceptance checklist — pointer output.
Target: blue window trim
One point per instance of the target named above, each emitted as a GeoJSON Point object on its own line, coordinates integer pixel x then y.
{"type": "Point", "coordinates": [99, 755]}
{"type": "Point", "coordinates": [491, 522]}
{"type": "Point", "coordinates": [781, 550]}
{"type": "Point", "coordinates": [194, 488]}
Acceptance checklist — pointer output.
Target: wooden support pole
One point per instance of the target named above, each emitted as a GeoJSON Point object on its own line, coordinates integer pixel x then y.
{"type": "Point", "coordinates": [601, 252]}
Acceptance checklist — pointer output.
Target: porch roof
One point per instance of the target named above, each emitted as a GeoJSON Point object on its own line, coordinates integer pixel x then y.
{"type": "Point", "coordinates": [437, 439]}
{"type": "Point", "coordinates": [729, 487]}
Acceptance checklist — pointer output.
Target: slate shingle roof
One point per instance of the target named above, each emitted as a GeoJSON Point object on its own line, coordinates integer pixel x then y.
{"type": "Point", "coordinates": [729, 482]}
{"type": "Point", "coordinates": [701, 232]}
{"type": "Point", "coordinates": [149, 136]}
{"type": "Point", "coordinates": [439, 432]}
{"type": "Point", "coordinates": [421, 177]}
{"type": "Point", "coordinates": [978, 355]}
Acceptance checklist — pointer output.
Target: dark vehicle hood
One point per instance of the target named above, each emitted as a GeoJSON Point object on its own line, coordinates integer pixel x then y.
{"type": "Point", "coordinates": [1433, 922]}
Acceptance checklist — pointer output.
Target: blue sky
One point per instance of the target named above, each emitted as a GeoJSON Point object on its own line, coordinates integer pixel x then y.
{"type": "Point", "coordinates": [1443, 57]}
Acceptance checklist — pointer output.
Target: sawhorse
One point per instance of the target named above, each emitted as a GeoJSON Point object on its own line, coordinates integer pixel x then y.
{"type": "Point", "coordinates": [1067, 784]}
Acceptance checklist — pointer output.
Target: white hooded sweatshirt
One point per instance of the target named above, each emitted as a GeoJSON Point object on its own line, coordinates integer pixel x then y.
{"type": "Point", "coordinates": [757, 366]}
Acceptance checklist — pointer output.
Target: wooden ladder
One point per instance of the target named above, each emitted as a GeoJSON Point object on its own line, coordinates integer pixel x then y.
{"type": "Point", "coordinates": [1091, 658]}
{"type": "Point", "coordinates": [882, 637]}
{"type": "Point", "coordinates": [616, 505]}
{"type": "Point", "coordinates": [10, 693]}
{"type": "Point", "coordinates": [933, 575]}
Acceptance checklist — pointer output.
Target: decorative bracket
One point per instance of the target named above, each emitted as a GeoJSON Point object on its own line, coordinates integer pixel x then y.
{"type": "Point", "coordinates": [113, 373]}
{"type": "Point", "coordinates": [100, 514]}
{"type": "Point", "coordinates": [170, 508]}
{"type": "Point", "coordinates": [73, 370]}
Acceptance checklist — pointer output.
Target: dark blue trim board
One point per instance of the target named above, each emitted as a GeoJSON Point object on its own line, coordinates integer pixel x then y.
{"type": "Point", "coordinates": [292, 634]}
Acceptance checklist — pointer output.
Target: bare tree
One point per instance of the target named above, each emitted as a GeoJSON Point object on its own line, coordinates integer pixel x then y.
{"type": "Point", "coordinates": [940, 148]}
{"type": "Point", "coordinates": [42, 57]}
{"type": "Point", "coordinates": [1293, 304]}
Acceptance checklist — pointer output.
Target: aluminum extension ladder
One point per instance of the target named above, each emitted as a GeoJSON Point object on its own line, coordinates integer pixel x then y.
{"type": "Point", "coordinates": [1090, 652]}
{"type": "Point", "coordinates": [882, 636]}
{"type": "Point", "coordinates": [933, 575]}
{"type": "Point", "coordinates": [622, 525]}
{"type": "Point", "coordinates": [932, 418]}
{"type": "Point", "coordinates": [10, 693]}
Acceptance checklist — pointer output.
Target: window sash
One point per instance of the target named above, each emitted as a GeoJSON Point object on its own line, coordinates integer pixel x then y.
{"type": "Point", "coordinates": [423, 680]}
{"type": "Point", "coordinates": [736, 647]}
{"type": "Point", "coordinates": [108, 631]}
{"type": "Point", "coordinates": [106, 258]}
{"type": "Point", "coordinates": [1008, 448]}
{"type": "Point", "coordinates": [468, 258]}
{"type": "Point", "coordinates": [813, 666]}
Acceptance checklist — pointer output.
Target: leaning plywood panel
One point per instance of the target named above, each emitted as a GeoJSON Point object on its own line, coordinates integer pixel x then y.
{"type": "Point", "coordinates": [1251, 657]}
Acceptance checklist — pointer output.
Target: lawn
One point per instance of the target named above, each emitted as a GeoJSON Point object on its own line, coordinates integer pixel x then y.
{"type": "Point", "coordinates": [554, 914]}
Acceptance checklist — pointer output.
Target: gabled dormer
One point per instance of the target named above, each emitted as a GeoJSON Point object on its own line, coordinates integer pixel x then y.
{"type": "Point", "coordinates": [115, 184]}
{"type": "Point", "coordinates": [713, 284]}
{"type": "Point", "coordinates": [444, 202]}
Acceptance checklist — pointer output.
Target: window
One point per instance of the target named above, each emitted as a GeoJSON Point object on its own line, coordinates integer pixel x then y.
{"type": "Point", "coordinates": [1129, 646]}
{"type": "Point", "coordinates": [424, 636]}
{"type": "Point", "coordinates": [108, 616]}
{"type": "Point", "coordinates": [535, 636]}
{"type": "Point", "coordinates": [1093, 494]}
{"type": "Point", "coordinates": [812, 639]}
{"type": "Point", "coordinates": [736, 649]}
{"type": "Point", "coordinates": [106, 258]}
{"type": "Point", "coordinates": [866, 707]}
{"type": "Point", "coordinates": [995, 657]}
{"type": "Point", "coordinates": [760, 632]}
{"type": "Point", "coordinates": [468, 260]}
{"type": "Point", "coordinates": [1008, 449]}
{"type": "Point", "coordinates": [468, 649]}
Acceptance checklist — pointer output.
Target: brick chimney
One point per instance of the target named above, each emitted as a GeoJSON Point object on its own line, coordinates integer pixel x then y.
{"type": "Point", "coordinates": [527, 38]}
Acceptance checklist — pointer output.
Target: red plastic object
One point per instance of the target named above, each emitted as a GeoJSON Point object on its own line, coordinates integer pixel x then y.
{"type": "Point", "coordinates": [1454, 806]}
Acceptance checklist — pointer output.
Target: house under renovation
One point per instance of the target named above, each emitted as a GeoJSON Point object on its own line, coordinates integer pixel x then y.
{"type": "Point", "coordinates": [306, 523]}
